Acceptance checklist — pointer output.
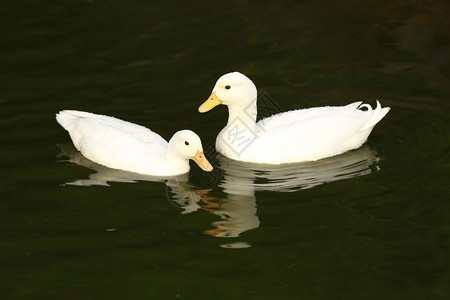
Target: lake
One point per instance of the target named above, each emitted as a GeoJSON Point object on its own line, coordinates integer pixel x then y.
{"type": "Point", "coordinates": [372, 223]}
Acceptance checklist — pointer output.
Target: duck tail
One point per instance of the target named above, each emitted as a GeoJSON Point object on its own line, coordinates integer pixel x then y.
{"type": "Point", "coordinates": [67, 118]}
{"type": "Point", "coordinates": [375, 115]}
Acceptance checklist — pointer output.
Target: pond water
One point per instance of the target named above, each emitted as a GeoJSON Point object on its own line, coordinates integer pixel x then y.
{"type": "Point", "coordinates": [371, 223]}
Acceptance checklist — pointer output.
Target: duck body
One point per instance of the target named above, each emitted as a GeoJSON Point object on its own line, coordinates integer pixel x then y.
{"type": "Point", "coordinates": [122, 145]}
{"type": "Point", "coordinates": [294, 136]}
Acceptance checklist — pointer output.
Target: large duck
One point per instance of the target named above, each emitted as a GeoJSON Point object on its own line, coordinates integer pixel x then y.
{"type": "Point", "coordinates": [294, 136]}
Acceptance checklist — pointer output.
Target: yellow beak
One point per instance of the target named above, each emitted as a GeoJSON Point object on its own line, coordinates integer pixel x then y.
{"type": "Point", "coordinates": [209, 104]}
{"type": "Point", "coordinates": [202, 162]}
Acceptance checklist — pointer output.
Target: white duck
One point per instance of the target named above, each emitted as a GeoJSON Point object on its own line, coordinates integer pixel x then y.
{"type": "Point", "coordinates": [126, 146]}
{"type": "Point", "coordinates": [294, 136]}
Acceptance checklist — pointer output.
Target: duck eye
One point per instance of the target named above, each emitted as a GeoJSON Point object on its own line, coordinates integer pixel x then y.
{"type": "Point", "coordinates": [227, 87]}
{"type": "Point", "coordinates": [186, 143]}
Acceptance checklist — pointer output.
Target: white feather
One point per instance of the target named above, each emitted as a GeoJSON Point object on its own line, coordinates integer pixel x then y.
{"type": "Point", "coordinates": [294, 136]}
{"type": "Point", "coordinates": [126, 146]}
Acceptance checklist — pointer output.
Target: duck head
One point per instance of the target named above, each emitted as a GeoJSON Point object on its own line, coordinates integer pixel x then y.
{"type": "Point", "coordinates": [232, 89]}
{"type": "Point", "coordinates": [186, 144]}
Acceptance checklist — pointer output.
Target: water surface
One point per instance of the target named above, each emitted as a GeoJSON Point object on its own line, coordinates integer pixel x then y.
{"type": "Point", "coordinates": [368, 224]}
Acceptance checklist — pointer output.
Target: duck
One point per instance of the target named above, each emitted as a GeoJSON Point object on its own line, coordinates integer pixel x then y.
{"type": "Point", "coordinates": [122, 145]}
{"type": "Point", "coordinates": [308, 134]}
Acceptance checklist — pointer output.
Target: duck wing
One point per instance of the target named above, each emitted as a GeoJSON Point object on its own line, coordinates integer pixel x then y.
{"type": "Point", "coordinates": [314, 133]}
{"type": "Point", "coordinates": [110, 141]}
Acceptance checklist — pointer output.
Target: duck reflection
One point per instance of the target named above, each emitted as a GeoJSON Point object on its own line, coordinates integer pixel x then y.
{"type": "Point", "coordinates": [179, 190]}
{"type": "Point", "coordinates": [235, 202]}
{"type": "Point", "coordinates": [297, 176]}
{"type": "Point", "coordinates": [237, 214]}
{"type": "Point", "coordinates": [239, 181]}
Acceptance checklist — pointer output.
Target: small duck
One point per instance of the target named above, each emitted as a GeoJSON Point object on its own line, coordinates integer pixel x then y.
{"type": "Point", "coordinates": [295, 136]}
{"type": "Point", "coordinates": [122, 145]}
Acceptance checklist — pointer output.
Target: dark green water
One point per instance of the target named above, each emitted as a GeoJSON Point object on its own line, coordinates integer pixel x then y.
{"type": "Point", "coordinates": [370, 224]}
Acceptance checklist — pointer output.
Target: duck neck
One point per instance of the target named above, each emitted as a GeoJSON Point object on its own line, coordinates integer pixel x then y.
{"type": "Point", "coordinates": [239, 115]}
{"type": "Point", "coordinates": [175, 160]}
{"type": "Point", "coordinates": [240, 131]}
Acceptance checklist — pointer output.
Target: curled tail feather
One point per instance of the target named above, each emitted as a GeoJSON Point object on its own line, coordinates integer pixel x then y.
{"type": "Point", "coordinates": [375, 115]}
